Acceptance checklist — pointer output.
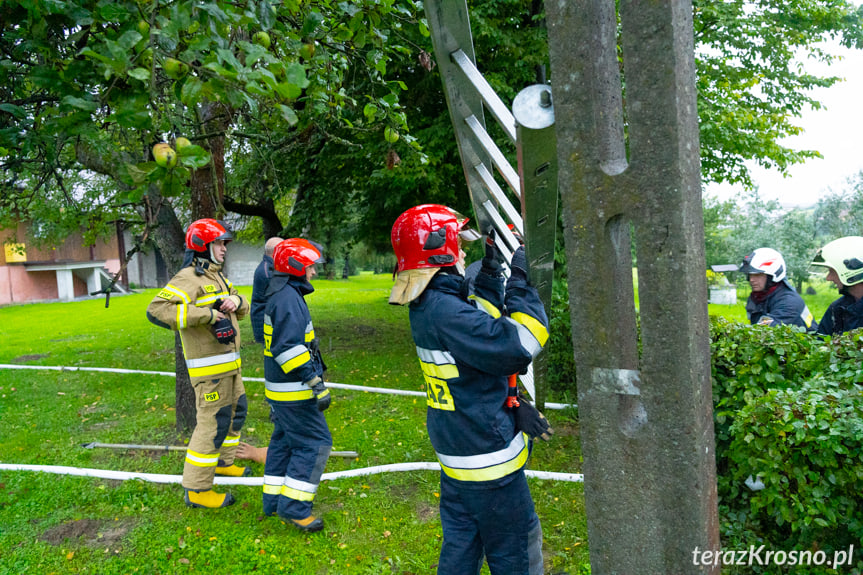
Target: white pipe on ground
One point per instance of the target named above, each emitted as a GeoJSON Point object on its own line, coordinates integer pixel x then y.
{"type": "Point", "coordinates": [334, 385]}
{"type": "Point", "coordinates": [258, 481]}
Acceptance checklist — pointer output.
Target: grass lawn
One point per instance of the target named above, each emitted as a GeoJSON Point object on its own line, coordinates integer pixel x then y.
{"type": "Point", "coordinates": [386, 523]}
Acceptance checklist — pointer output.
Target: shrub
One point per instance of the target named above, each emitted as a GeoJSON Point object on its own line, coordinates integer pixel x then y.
{"type": "Point", "coordinates": [788, 411]}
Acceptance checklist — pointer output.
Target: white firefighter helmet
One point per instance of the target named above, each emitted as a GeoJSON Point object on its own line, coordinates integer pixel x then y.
{"type": "Point", "coordinates": [845, 256]}
{"type": "Point", "coordinates": [764, 261]}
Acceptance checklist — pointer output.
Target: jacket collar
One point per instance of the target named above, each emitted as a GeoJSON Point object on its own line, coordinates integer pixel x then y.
{"type": "Point", "coordinates": [280, 280]}
{"type": "Point", "coordinates": [447, 282]}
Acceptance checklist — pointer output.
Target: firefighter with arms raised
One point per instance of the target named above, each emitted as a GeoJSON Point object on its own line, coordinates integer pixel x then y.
{"type": "Point", "coordinates": [468, 345]}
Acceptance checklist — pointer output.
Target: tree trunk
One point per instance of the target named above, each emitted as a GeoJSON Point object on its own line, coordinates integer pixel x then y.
{"type": "Point", "coordinates": [184, 393]}
{"type": "Point", "coordinates": [207, 184]}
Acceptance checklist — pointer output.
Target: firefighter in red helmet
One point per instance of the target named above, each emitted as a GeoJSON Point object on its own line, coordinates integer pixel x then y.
{"type": "Point", "coordinates": [203, 305]}
{"type": "Point", "coordinates": [293, 373]}
{"type": "Point", "coordinates": [468, 346]}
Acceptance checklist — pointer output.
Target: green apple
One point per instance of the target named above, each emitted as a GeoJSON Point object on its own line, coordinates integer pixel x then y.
{"type": "Point", "coordinates": [164, 155]}
{"type": "Point", "coordinates": [390, 135]}
{"type": "Point", "coordinates": [307, 51]}
{"type": "Point", "coordinates": [146, 58]}
{"type": "Point", "coordinates": [262, 39]}
{"type": "Point", "coordinates": [181, 143]}
{"type": "Point", "coordinates": [174, 68]}
{"type": "Point", "coordinates": [144, 28]}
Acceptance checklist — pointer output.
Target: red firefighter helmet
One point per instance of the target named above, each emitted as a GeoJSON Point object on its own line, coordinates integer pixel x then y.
{"type": "Point", "coordinates": [202, 232]}
{"type": "Point", "coordinates": [294, 255]}
{"type": "Point", "coordinates": [426, 236]}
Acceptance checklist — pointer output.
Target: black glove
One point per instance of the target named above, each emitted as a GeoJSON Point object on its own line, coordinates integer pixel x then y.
{"type": "Point", "coordinates": [322, 394]}
{"type": "Point", "coordinates": [491, 263]}
{"type": "Point", "coordinates": [529, 420]}
{"type": "Point", "coordinates": [224, 330]}
{"type": "Point", "coordinates": [518, 266]}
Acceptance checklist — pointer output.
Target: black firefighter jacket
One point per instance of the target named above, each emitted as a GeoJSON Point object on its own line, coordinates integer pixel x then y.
{"type": "Point", "coordinates": [467, 349]}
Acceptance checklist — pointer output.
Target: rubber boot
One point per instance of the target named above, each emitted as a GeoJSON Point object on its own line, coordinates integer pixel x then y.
{"type": "Point", "coordinates": [233, 470]}
{"type": "Point", "coordinates": [208, 499]}
{"type": "Point", "coordinates": [310, 524]}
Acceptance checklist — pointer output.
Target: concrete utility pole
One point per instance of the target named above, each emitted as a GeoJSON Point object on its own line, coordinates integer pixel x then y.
{"type": "Point", "coordinates": [646, 425]}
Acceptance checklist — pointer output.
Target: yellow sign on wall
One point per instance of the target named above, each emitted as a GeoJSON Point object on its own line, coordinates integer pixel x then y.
{"type": "Point", "coordinates": [15, 253]}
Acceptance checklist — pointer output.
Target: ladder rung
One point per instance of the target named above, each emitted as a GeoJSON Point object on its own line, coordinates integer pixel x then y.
{"type": "Point", "coordinates": [504, 235]}
{"type": "Point", "coordinates": [504, 167]}
{"type": "Point", "coordinates": [498, 195]}
{"type": "Point", "coordinates": [486, 92]}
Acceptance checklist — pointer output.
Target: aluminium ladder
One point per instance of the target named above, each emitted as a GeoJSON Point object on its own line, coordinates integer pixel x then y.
{"type": "Point", "coordinates": [533, 182]}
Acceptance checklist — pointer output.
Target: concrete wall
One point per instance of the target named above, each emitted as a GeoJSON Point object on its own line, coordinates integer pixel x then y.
{"type": "Point", "coordinates": [241, 262]}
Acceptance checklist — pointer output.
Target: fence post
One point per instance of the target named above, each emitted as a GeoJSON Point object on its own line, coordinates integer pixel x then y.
{"type": "Point", "coordinates": [646, 423]}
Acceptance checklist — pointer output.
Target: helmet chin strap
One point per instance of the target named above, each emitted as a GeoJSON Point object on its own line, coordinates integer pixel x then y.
{"type": "Point", "coordinates": [213, 257]}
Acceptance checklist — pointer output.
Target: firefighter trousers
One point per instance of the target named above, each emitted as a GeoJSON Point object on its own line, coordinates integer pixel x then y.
{"type": "Point", "coordinates": [221, 412]}
{"type": "Point", "coordinates": [296, 458]}
{"type": "Point", "coordinates": [498, 522]}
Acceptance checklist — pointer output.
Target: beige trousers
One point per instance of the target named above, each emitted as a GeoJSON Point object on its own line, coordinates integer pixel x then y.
{"type": "Point", "coordinates": [221, 413]}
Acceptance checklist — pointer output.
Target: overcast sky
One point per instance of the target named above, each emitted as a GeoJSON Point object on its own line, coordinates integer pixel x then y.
{"type": "Point", "coordinates": [836, 131]}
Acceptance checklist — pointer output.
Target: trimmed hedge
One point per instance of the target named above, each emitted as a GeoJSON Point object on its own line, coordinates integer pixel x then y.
{"type": "Point", "coordinates": [788, 410]}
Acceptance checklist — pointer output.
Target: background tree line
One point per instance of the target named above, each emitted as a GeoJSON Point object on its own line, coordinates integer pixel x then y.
{"type": "Point", "coordinates": [733, 228]}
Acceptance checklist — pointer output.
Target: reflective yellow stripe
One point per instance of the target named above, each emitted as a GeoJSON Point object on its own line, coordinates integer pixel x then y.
{"type": "Point", "coordinates": [210, 299]}
{"type": "Point", "coordinates": [273, 484]}
{"type": "Point", "coordinates": [289, 395]}
{"type": "Point", "coordinates": [445, 371]}
{"type": "Point", "coordinates": [202, 459]}
{"type": "Point", "coordinates": [272, 489]}
{"type": "Point", "coordinates": [296, 362]}
{"type": "Point", "coordinates": [536, 328]}
{"type": "Point", "coordinates": [182, 311]}
{"type": "Point", "coordinates": [214, 369]}
{"type": "Point", "coordinates": [179, 293]}
{"type": "Point", "coordinates": [268, 329]}
{"type": "Point", "coordinates": [486, 306]}
{"type": "Point", "coordinates": [231, 441]}
{"type": "Point", "coordinates": [297, 494]}
{"type": "Point", "coordinates": [310, 336]}
{"type": "Point", "coordinates": [482, 467]}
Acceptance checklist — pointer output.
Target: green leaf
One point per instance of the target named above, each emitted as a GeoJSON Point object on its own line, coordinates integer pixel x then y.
{"type": "Point", "coordinates": [140, 173]}
{"type": "Point", "coordinates": [288, 91]}
{"type": "Point", "coordinates": [288, 114]}
{"type": "Point", "coordinates": [194, 157]}
{"type": "Point", "coordinates": [140, 74]}
{"type": "Point", "coordinates": [296, 74]}
{"type": "Point", "coordinates": [257, 89]}
{"type": "Point", "coordinates": [311, 22]}
{"type": "Point", "coordinates": [266, 15]}
{"type": "Point", "coordinates": [80, 103]}
{"type": "Point", "coordinates": [190, 94]}
{"type": "Point", "coordinates": [16, 111]}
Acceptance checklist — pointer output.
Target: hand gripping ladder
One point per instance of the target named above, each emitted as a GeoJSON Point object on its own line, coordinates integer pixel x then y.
{"type": "Point", "coordinates": [530, 126]}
